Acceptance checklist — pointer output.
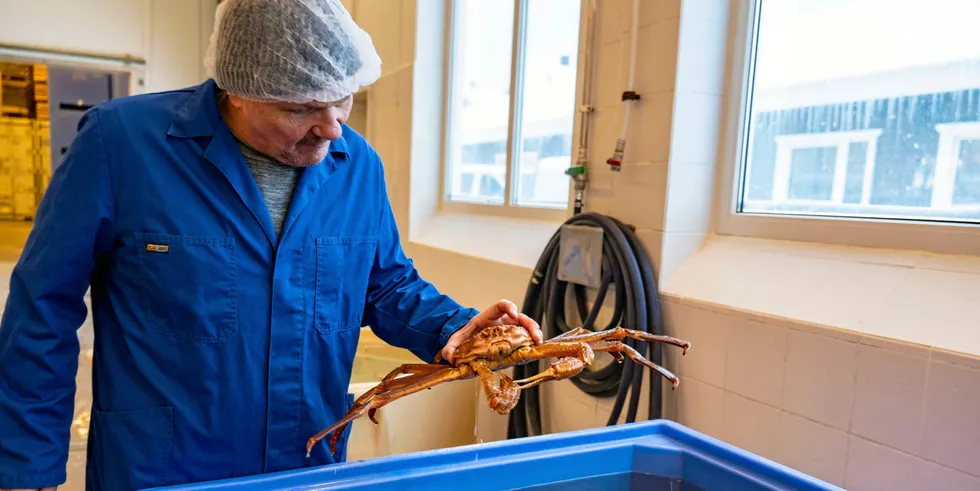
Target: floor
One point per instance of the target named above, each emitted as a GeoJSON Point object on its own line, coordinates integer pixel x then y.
{"type": "Point", "coordinates": [13, 235]}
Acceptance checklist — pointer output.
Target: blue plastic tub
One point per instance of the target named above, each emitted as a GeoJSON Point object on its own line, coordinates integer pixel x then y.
{"type": "Point", "coordinates": [648, 455]}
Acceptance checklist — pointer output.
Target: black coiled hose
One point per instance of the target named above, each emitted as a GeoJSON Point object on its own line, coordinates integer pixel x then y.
{"type": "Point", "coordinates": [625, 266]}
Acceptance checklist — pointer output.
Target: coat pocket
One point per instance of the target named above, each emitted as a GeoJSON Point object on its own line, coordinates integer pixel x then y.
{"type": "Point", "coordinates": [189, 284]}
{"type": "Point", "coordinates": [132, 448]}
{"type": "Point", "coordinates": [343, 268]}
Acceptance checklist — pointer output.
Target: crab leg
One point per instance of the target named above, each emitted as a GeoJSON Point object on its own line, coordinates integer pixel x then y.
{"type": "Point", "coordinates": [502, 396]}
{"type": "Point", "coordinates": [619, 334]}
{"type": "Point", "coordinates": [573, 357]}
{"type": "Point", "coordinates": [578, 331]}
{"type": "Point", "coordinates": [390, 382]}
{"type": "Point", "coordinates": [383, 397]}
{"type": "Point", "coordinates": [617, 347]}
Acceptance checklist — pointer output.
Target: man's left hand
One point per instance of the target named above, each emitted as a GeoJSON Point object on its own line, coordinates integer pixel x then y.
{"type": "Point", "coordinates": [500, 313]}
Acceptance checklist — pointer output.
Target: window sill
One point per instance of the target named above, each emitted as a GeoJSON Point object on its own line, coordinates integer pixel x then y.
{"type": "Point", "coordinates": [916, 298]}
{"type": "Point", "coordinates": [512, 241]}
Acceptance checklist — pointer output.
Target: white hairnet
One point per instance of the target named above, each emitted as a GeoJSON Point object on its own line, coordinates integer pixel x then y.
{"type": "Point", "coordinates": [290, 50]}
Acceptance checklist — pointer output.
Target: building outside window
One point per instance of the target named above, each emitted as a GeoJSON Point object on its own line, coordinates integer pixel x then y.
{"type": "Point", "coordinates": [860, 109]}
{"type": "Point", "coordinates": [511, 106]}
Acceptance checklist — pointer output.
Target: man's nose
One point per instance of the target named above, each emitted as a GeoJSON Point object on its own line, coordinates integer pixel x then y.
{"type": "Point", "coordinates": [330, 126]}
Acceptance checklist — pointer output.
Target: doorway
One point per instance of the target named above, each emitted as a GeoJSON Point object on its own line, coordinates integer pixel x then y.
{"type": "Point", "coordinates": [41, 104]}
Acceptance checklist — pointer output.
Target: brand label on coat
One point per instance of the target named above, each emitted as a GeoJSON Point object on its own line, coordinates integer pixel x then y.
{"type": "Point", "coordinates": [160, 248]}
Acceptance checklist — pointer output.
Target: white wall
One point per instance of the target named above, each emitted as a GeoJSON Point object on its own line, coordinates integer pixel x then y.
{"type": "Point", "coordinates": [791, 359]}
{"type": "Point", "coordinates": [170, 35]}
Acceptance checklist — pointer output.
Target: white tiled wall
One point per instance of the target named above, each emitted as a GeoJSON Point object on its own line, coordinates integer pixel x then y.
{"type": "Point", "coordinates": [855, 411]}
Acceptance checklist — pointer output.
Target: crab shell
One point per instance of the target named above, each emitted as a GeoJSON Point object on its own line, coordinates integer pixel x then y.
{"type": "Point", "coordinates": [493, 343]}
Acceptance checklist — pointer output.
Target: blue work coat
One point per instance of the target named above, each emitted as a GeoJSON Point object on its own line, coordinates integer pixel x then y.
{"type": "Point", "coordinates": [219, 348]}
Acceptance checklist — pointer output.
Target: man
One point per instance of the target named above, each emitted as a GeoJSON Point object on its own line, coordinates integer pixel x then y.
{"type": "Point", "coordinates": [235, 236]}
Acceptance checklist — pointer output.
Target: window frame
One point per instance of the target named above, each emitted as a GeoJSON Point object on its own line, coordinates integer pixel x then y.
{"type": "Point", "coordinates": [934, 236]}
{"type": "Point", "coordinates": [785, 144]}
{"type": "Point", "coordinates": [951, 137]}
{"type": "Point", "coordinates": [509, 208]}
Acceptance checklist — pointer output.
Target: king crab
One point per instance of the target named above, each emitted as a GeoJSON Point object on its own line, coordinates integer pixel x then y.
{"type": "Point", "coordinates": [495, 348]}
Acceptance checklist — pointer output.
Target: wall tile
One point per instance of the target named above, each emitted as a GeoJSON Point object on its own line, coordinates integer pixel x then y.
{"type": "Point", "coordinates": [602, 142]}
{"type": "Point", "coordinates": [820, 374]}
{"type": "Point", "coordinates": [888, 398]}
{"type": "Point", "coordinates": [648, 135]}
{"type": "Point", "coordinates": [656, 57]}
{"type": "Point", "coordinates": [708, 334]}
{"type": "Point", "coordinates": [613, 18]}
{"type": "Point", "coordinates": [951, 427]}
{"type": "Point", "coordinates": [894, 345]}
{"type": "Point", "coordinates": [678, 248]}
{"type": "Point", "coordinates": [653, 242]}
{"type": "Point", "coordinates": [750, 425]}
{"type": "Point", "coordinates": [949, 262]}
{"type": "Point", "coordinates": [756, 361]}
{"type": "Point", "coordinates": [381, 19]}
{"type": "Point", "coordinates": [812, 448]}
{"type": "Point", "coordinates": [688, 209]}
{"type": "Point", "coordinates": [955, 358]}
{"type": "Point", "coordinates": [658, 10]}
{"type": "Point", "coordinates": [794, 287]}
{"type": "Point", "coordinates": [700, 407]}
{"type": "Point", "coordinates": [651, 11]}
{"type": "Point", "coordinates": [604, 406]}
{"type": "Point", "coordinates": [569, 408]}
{"type": "Point", "coordinates": [639, 195]}
{"type": "Point", "coordinates": [874, 467]}
{"type": "Point", "coordinates": [950, 298]}
{"type": "Point", "coordinates": [608, 85]}
{"type": "Point", "coordinates": [931, 476]}
{"type": "Point", "coordinates": [408, 13]}
{"type": "Point", "coordinates": [702, 48]}
{"type": "Point", "coordinates": [600, 185]}
{"type": "Point", "coordinates": [599, 204]}
{"type": "Point", "coordinates": [696, 127]}
{"type": "Point", "coordinates": [706, 9]}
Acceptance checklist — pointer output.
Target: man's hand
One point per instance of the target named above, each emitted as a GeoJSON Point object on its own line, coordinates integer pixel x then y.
{"type": "Point", "coordinates": [500, 313]}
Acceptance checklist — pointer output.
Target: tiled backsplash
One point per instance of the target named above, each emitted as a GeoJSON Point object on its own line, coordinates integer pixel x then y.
{"type": "Point", "coordinates": [862, 413]}
{"type": "Point", "coordinates": [858, 412]}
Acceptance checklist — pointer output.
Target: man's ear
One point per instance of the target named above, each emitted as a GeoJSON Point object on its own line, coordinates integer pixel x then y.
{"type": "Point", "coordinates": [235, 101]}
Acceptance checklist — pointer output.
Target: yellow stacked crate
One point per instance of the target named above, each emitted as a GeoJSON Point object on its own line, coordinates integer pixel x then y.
{"type": "Point", "coordinates": [18, 154]}
{"type": "Point", "coordinates": [15, 83]}
{"type": "Point", "coordinates": [42, 135]}
{"type": "Point", "coordinates": [42, 161]}
{"type": "Point", "coordinates": [39, 78]}
{"type": "Point", "coordinates": [25, 139]}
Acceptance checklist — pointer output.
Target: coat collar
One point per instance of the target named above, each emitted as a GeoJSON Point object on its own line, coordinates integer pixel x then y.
{"type": "Point", "coordinates": [198, 117]}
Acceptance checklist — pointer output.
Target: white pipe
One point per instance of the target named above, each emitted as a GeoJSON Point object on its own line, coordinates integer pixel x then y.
{"type": "Point", "coordinates": [586, 104]}
{"type": "Point", "coordinates": [617, 158]}
{"type": "Point", "coordinates": [631, 78]}
{"type": "Point", "coordinates": [585, 109]}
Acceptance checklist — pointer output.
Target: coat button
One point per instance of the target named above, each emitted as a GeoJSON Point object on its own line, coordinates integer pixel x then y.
{"type": "Point", "coordinates": [273, 453]}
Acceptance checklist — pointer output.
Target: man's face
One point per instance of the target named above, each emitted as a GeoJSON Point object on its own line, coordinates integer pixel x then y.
{"type": "Point", "coordinates": [295, 134]}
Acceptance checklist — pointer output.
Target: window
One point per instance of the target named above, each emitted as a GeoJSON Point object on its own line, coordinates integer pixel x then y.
{"type": "Point", "coordinates": [513, 68]}
{"type": "Point", "coordinates": [818, 169]}
{"type": "Point", "coordinates": [859, 113]}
